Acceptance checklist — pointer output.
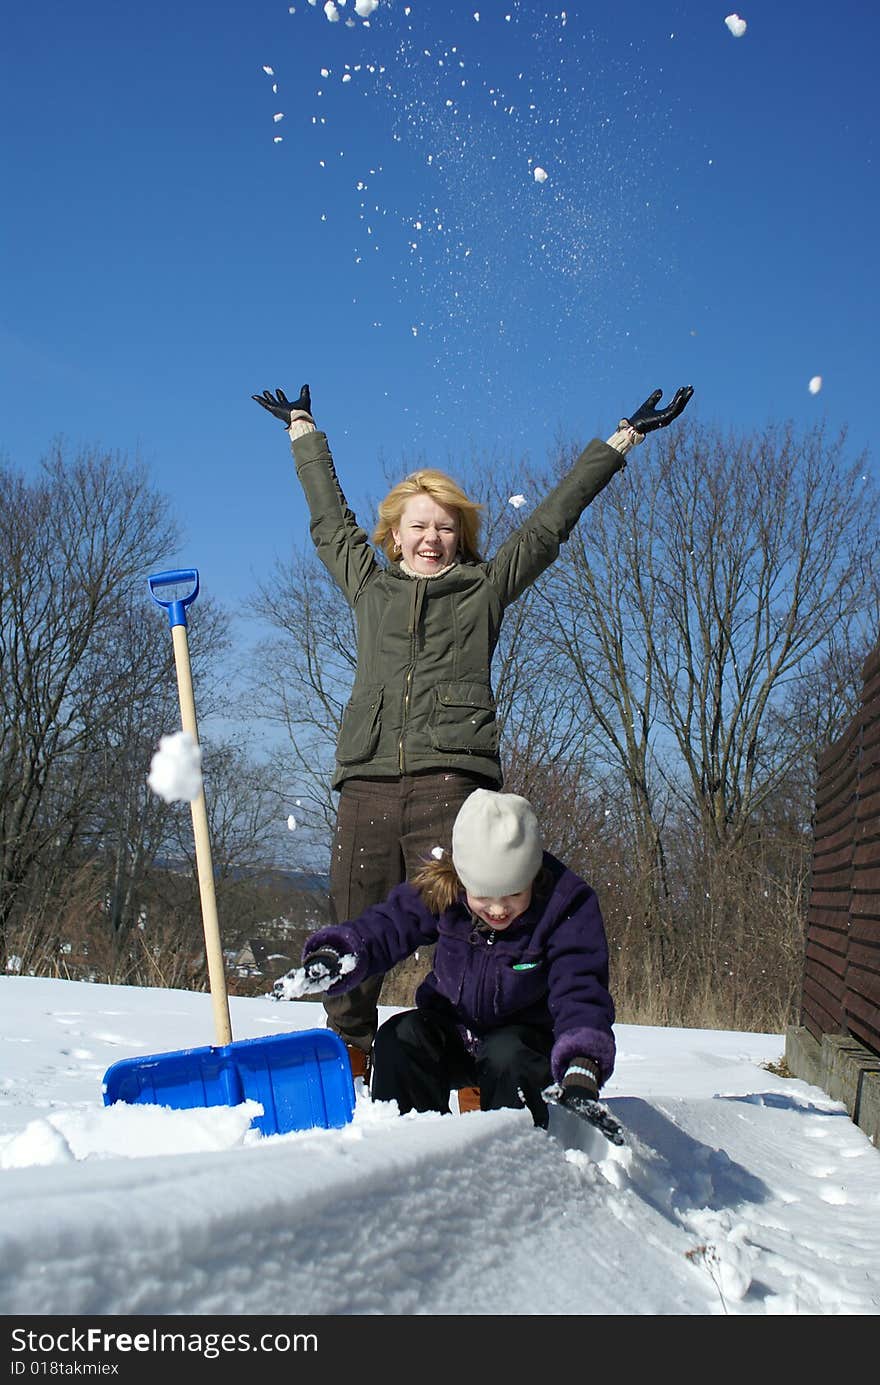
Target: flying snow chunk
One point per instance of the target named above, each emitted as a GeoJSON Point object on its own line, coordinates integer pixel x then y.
{"type": "Point", "coordinates": [176, 769]}
{"type": "Point", "coordinates": [815, 384]}
{"type": "Point", "coordinates": [736, 25]}
{"type": "Point", "coordinates": [540, 175]}
{"type": "Point", "coordinates": [331, 12]}
{"type": "Point", "coordinates": [437, 853]}
{"type": "Point", "coordinates": [278, 116]}
{"type": "Point", "coordinates": [365, 7]}
{"type": "Point", "coordinates": [269, 71]}
{"type": "Point", "coordinates": [291, 823]}
{"type": "Point", "coordinates": [516, 501]}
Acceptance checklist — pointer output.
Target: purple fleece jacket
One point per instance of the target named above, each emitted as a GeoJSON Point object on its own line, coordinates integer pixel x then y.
{"type": "Point", "coordinates": [549, 968]}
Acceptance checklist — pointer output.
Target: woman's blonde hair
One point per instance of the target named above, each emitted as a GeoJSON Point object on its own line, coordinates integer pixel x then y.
{"type": "Point", "coordinates": [444, 491]}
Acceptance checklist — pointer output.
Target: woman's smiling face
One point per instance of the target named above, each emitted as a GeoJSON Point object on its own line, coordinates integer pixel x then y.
{"type": "Point", "coordinates": [427, 535]}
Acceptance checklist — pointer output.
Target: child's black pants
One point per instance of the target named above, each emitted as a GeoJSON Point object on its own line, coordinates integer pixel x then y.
{"type": "Point", "coordinates": [419, 1057]}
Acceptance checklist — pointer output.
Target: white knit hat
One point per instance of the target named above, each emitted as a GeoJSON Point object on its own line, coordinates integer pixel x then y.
{"type": "Point", "coordinates": [496, 844]}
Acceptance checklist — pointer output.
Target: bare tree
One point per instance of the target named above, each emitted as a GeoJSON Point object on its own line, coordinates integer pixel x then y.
{"type": "Point", "coordinates": [72, 546]}
{"type": "Point", "coordinates": [702, 592]}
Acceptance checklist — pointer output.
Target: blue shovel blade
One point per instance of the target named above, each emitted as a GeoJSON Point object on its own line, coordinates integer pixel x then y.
{"type": "Point", "coordinates": [301, 1080]}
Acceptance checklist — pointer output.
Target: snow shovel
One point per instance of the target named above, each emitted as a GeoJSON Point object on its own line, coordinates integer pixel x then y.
{"type": "Point", "coordinates": [302, 1079]}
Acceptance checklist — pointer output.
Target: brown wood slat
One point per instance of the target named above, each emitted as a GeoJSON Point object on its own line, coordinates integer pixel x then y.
{"type": "Point", "coordinates": [827, 971]}
{"type": "Point", "coordinates": [836, 900]}
{"type": "Point", "coordinates": [863, 983]}
{"type": "Point", "coordinates": [832, 833]}
{"type": "Point", "coordinates": [869, 778]}
{"type": "Point", "coordinates": [830, 859]}
{"type": "Point", "coordinates": [824, 1008]}
{"type": "Point", "coordinates": [824, 982]}
{"type": "Point", "coordinates": [821, 1007]}
{"type": "Point", "coordinates": [835, 809]}
{"type": "Point", "coordinates": [823, 917]}
{"type": "Point", "coordinates": [864, 905]}
{"type": "Point", "coordinates": [839, 751]}
{"type": "Point", "coordinates": [865, 931]}
{"type": "Point", "coordinates": [863, 1014]}
{"type": "Point", "coordinates": [832, 799]}
{"type": "Point", "coordinates": [815, 1026]}
{"type": "Point", "coordinates": [866, 1035]}
{"type": "Point", "coordinates": [870, 705]}
{"type": "Point", "coordinates": [829, 939]}
{"type": "Point", "coordinates": [871, 665]}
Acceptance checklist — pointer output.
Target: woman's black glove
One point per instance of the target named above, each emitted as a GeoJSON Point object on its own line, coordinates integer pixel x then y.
{"type": "Point", "coordinates": [647, 417]}
{"type": "Point", "coordinates": [279, 404]}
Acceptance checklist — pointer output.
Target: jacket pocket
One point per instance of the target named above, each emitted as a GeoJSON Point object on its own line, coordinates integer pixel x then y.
{"type": "Point", "coordinates": [361, 724]}
{"type": "Point", "coordinates": [463, 719]}
{"type": "Point", "coordinates": [518, 985]}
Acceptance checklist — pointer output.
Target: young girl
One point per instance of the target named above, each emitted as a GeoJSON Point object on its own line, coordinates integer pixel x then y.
{"type": "Point", "coordinates": [420, 731]}
{"type": "Point", "coordinates": [518, 994]}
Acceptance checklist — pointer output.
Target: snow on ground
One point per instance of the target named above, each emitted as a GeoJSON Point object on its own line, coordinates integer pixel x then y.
{"type": "Point", "coordinates": [741, 1192]}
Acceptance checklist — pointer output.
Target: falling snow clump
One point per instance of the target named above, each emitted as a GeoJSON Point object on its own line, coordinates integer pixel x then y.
{"type": "Point", "coordinates": [516, 501]}
{"type": "Point", "coordinates": [176, 768]}
{"type": "Point", "coordinates": [736, 25]}
{"type": "Point", "coordinates": [540, 175]}
{"type": "Point", "coordinates": [815, 384]}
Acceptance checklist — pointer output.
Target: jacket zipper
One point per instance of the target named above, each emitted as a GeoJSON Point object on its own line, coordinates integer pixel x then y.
{"type": "Point", "coordinates": [480, 986]}
{"type": "Point", "coordinates": [414, 616]}
{"type": "Point", "coordinates": [407, 685]}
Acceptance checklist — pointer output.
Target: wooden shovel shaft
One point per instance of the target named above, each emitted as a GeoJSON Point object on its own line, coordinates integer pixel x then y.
{"type": "Point", "coordinates": [210, 923]}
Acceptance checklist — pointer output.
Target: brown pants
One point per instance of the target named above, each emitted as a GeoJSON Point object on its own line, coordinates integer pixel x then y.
{"type": "Point", "coordinates": [385, 829]}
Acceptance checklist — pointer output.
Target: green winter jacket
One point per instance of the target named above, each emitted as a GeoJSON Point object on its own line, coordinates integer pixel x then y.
{"type": "Point", "coordinates": [422, 697]}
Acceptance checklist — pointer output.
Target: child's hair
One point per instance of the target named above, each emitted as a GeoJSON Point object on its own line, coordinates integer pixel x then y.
{"type": "Point", "coordinates": [440, 887]}
{"type": "Point", "coordinates": [438, 884]}
{"type": "Point", "coordinates": [446, 492]}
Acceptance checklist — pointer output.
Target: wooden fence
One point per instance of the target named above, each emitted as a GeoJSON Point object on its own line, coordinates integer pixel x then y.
{"type": "Point", "coordinates": [841, 986]}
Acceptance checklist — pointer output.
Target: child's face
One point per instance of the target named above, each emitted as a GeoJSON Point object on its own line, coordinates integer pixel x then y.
{"type": "Point", "coordinates": [500, 912]}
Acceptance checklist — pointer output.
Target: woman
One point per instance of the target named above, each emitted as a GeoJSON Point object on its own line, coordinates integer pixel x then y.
{"type": "Point", "coordinates": [420, 732]}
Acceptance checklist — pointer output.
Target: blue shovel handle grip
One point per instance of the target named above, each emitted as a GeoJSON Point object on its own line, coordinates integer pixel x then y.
{"type": "Point", "coordinates": [176, 607]}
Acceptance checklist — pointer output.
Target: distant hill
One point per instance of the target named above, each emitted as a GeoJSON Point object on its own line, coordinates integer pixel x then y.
{"type": "Point", "coordinates": [307, 881]}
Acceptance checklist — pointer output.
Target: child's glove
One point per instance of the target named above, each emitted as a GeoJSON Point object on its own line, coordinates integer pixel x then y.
{"type": "Point", "coordinates": [317, 973]}
{"type": "Point", "coordinates": [279, 404]}
{"type": "Point", "coordinates": [647, 417]}
{"type": "Point", "coordinates": [322, 968]}
{"type": "Point", "coordinates": [580, 1083]}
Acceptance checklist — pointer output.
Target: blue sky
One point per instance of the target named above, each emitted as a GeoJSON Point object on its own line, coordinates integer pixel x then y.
{"type": "Point", "coordinates": [709, 216]}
